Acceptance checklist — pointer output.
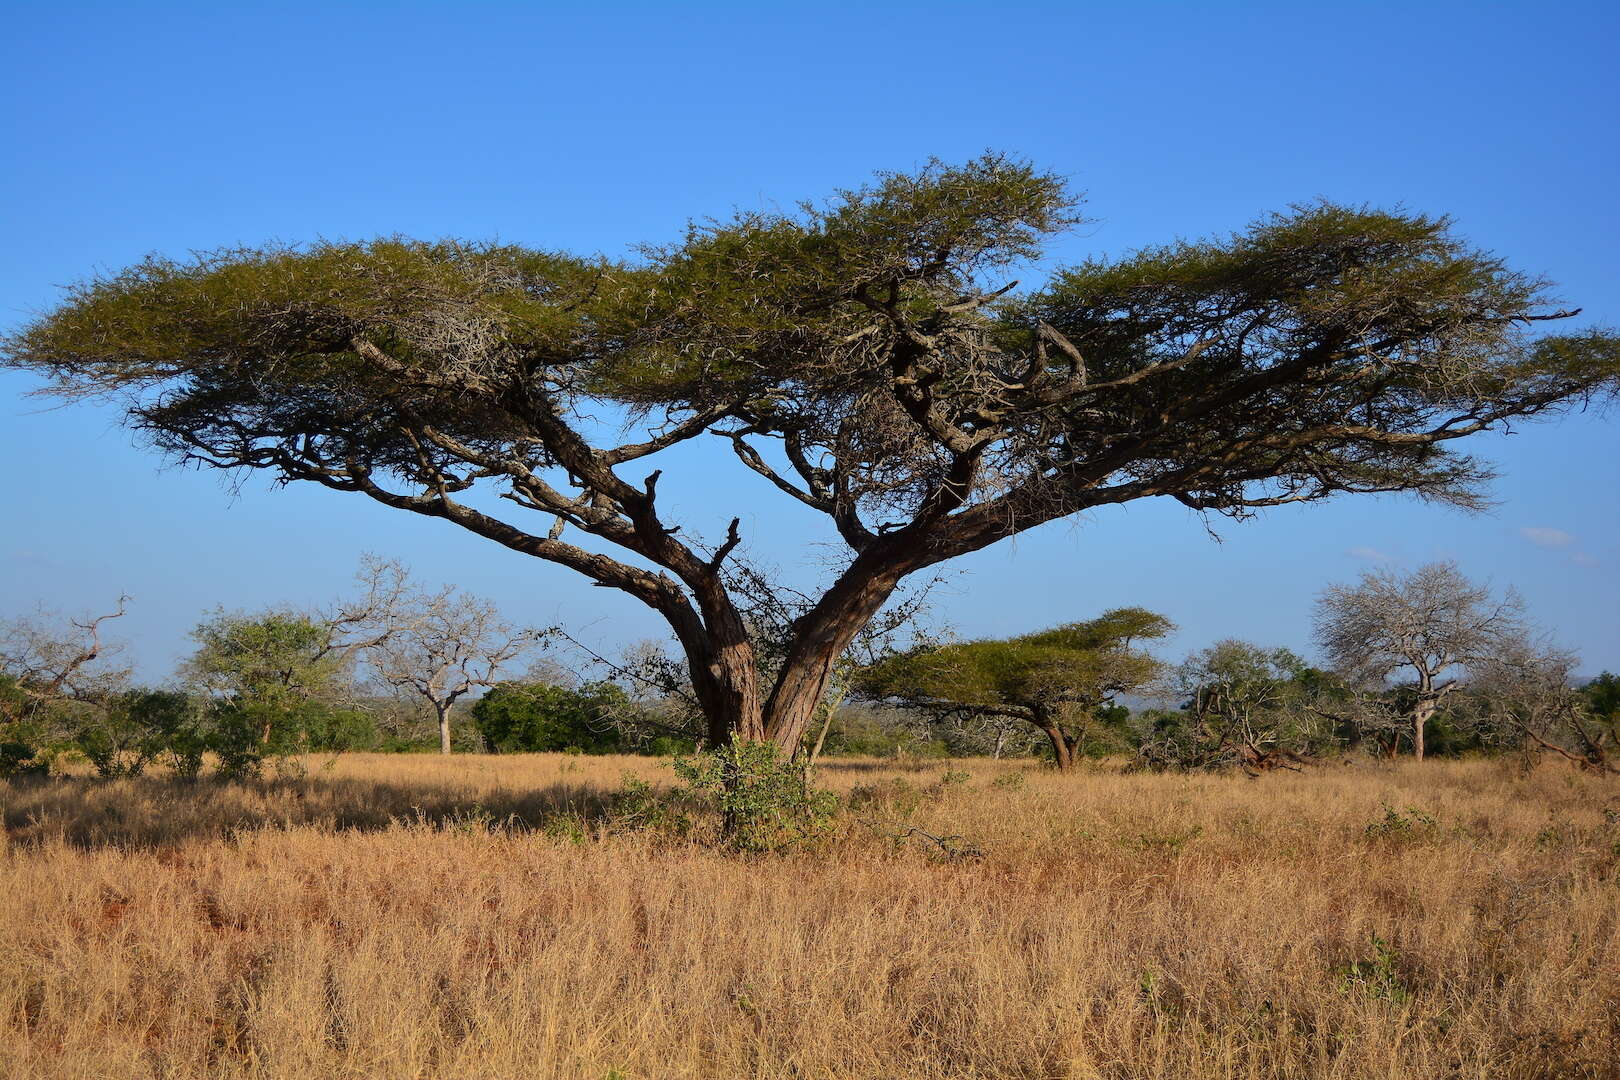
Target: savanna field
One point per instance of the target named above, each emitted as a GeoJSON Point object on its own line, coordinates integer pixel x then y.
{"type": "Point", "coordinates": [492, 917]}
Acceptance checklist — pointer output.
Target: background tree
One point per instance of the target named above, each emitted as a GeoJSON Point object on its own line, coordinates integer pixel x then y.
{"type": "Point", "coordinates": [868, 358]}
{"type": "Point", "coordinates": [1525, 690]}
{"type": "Point", "coordinates": [44, 663]}
{"type": "Point", "coordinates": [1244, 705]}
{"type": "Point", "coordinates": [1055, 680]}
{"type": "Point", "coordinates": [282, 675]}
{"type": "Point", "coordinates": [1433, 624]}
{"type": "Point", "coordinates": [444, 644]}
{"type": "Point", "coordinates": [538, 717]}
{"type": "Point", "coordinates": [132, 729]}
{"type": "Point", "coordinates": [53, 673]}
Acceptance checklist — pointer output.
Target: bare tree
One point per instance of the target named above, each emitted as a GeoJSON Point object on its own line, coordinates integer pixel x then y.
{"type": "Point", "coordinates": [1433, 624]}
{"type": "Point", "coordinates": [443, 644]}
{"type": "Point", "coordinates": [869, 358]}
{"type": "Point", "coordinates": [1526, 688]}
{"type": "Point", "coordinates": [45, 663]}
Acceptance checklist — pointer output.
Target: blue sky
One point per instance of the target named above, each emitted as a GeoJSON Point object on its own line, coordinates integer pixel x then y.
{"type": "Point", "coordinates": [138, 128]}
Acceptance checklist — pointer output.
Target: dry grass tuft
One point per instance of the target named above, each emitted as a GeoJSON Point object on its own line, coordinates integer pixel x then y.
{"type": "Point", "coordinates": [478, 918]}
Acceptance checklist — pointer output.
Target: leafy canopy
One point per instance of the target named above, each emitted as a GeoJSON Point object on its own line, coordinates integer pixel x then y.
{"type": "Point", "coordinates": [1082, 664]}
{"type": "Point", "coordinates": [1327, 348]}
{"type": "Point", "coordinates": [870, 356]}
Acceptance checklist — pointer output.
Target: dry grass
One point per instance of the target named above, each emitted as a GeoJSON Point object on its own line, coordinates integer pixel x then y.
{"type": "Point", "coordinates": [407, 916]}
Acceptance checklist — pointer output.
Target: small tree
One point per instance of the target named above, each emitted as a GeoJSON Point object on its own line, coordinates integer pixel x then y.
{"type": "Point", "coordinates": [1244, 705]}
{"type": "Point", "coordinates": [1525, 691]}
{"type": "Point", "coordinates": [271, 670]}
{"type": "Point", "coordinates": [137, 727]}
{"type": "Point", "coordinates": [1055, 680]}
{"type": "Point", "coordinates": [52, 677]}
{"type": "Point", "coordinates": [1433, 624]}
{"type": "Point", "coordinates": [443, 645]}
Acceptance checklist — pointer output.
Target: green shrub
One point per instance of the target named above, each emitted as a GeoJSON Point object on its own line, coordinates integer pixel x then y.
{"type": "Point", "coordinates": [133, 730]}
{"type": "Point", "coordinates": [1378, 976]}
{"type": "Point", "coordinates": [538, 717]}
{"type": "Point", "coordinates": [19, 758]}
{"type": "Point", "coordinates": [1414, 824]}
{"type": "Point", "coordinates": [765, 802]}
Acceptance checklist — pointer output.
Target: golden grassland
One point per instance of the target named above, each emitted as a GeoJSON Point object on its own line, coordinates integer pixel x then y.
{"type": "Point", "coordinates": [474, 917]}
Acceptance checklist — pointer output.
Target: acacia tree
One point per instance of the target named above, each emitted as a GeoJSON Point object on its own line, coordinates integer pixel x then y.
{"type": "Point", "coordinates": [1055, 680]}
{"type": "Point", "coordinates": [868, 357]}
{"type": "Point", "coordinates": [1433, 624]}
{"type": "Point", "coordinates": [444, 644]}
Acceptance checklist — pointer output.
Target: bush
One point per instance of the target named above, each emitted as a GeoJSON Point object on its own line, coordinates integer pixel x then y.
{"type": "Point", "coordinates": [133, 730]}
{"type": "Point", "coordinates": [21, 759]}
{"type": "Point", "coordinates": [329, 730]}
{"type": "Point", "coordinates": [765, 802]}
{"type": "Point", "coordinates": [538, 717]}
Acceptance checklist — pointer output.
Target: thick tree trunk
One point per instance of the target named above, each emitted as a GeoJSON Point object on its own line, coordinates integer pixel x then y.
{"type": "Point", "coordinates": [444, 727]}
{"type": "Point", "coordinates": [1420, 721]}
{"type": "Point", "coordinates": [823, 634]}
{"type": "Point", "coordinates": [1062, 746]}
{"type": "Point", "coordinates": [1428, 703]}
{"type": "Point", "coordinates": [725, 677]}
{"type": "Point", "coordinates": [1062, 753]}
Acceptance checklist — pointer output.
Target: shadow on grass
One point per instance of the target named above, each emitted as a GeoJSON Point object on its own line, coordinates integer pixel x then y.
{"type": "Point", "coordinates": [158, 812]}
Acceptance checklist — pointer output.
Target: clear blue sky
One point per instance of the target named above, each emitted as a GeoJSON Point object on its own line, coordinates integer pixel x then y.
{"type": "Point", "coordinates": [134, 128]}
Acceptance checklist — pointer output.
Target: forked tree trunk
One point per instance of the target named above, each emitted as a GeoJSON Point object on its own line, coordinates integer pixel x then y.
{"type": "Point", "coordinates": [823, 634]}
{"type": "Point", "coordinates": [722, 660]}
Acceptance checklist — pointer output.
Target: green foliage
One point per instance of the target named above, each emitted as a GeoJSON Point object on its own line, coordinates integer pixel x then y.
{"type": "Point", "coordinates": [1083, 661]}
{"type": "Point", "coordinates": [275, 659]}
{"type": "Point", "coordinates": [537, 717]}
{"type": "Point", "coordinates": [1064, 677]}
{"type": "Point", "coordinates": [1245, 706]}
{"type": "Point", "coordinates": [134, 729]}
{"type": "Point", "coordinates": [1412, 825]}
{"type": "Point", "coordinates": [866, 731]}
{"type": "Point", "coordinates": [236, 737]}
{"type": "Point", "coordinates": [638, 805]}
{"type": "Point", "coordinates": [765, 802]}
{"type": "Point", "coordinates": [329, 729]}
{"type": "Point", "coordinates": [1603, 695]}
{"type": "Point", "coordinates": [1377, 977]}
{"type": "Point", "coordinates": [18, 758]}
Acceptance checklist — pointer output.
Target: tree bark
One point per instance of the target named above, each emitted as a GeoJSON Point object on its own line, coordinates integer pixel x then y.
{"type": "Point", "coordinates": [1062, 747]}
{"type": "Point", "coordinates": [444, 727]}
{"type": "Point", "coordinates": [1062, 754]}
{"type": "Point", "coordinates": [823, 634]}
{"type": "Point", "coordinates": [1427, 701]}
